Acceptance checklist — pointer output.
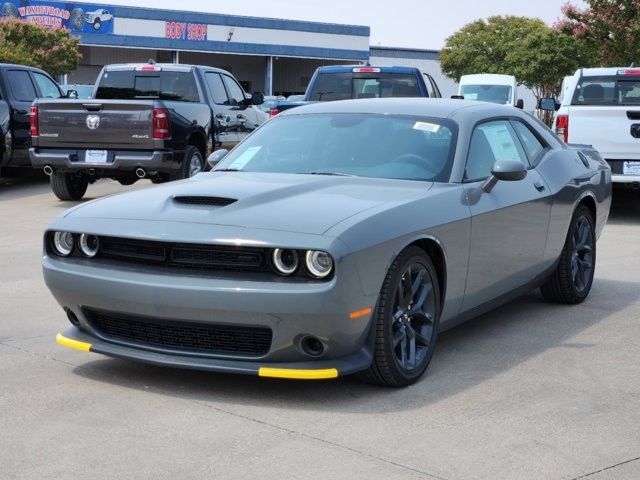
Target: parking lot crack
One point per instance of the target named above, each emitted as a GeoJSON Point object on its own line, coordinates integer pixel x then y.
{"type": "Point", "coordinates": [322, 440]}
{"type": "Point", "coordinates": [35, 354]}
{"type": "Point", "coordinates": [606, 468]}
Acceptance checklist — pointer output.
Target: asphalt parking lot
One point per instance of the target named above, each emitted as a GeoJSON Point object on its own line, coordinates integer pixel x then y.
{"type": "Point", "coordinates": [528, 391]}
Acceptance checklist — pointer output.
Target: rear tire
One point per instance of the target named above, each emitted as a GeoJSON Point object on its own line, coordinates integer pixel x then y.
{"type": "Point", "coordinates": [68, 186]}
{"type": "Point", "coordinates": [192, 164]}
{"type": "Point", "coordinates": [406, 321]}
{"type": "Point", "coordinates": [572, 279]}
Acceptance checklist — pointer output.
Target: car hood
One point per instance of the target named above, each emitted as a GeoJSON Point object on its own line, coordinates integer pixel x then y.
{"type": "Point", "coordinates": [309, 204]}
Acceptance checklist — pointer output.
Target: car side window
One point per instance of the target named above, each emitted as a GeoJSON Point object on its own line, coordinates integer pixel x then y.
{"type": "Point", "coordinates": [216, 87]}
{"type": "Point", "coordinates": [47, 88]}
{"type": "Point", "coordinates": [21, 85]}
{"type": "Point", "coordinates": [236, 94]}
{"type": "Point", "coordinates": [530, 142]}
{"type": "Point", "coordinates": [491, 141]}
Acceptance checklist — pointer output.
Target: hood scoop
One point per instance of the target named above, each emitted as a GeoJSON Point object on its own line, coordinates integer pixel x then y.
{"type": "Point", "coordinates": [202, 200]}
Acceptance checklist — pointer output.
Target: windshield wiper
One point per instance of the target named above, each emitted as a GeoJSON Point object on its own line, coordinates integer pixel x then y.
{"type": "Point", "coordinates": [226, 170]}
{"type": "Point", "coordinates": [336, 174]}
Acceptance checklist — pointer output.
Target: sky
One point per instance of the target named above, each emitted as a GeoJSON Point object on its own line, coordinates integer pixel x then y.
{"type": "Point", "coordinates": [400, 23]}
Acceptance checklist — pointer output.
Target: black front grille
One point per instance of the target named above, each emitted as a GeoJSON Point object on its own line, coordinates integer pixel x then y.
{"type": "Point", "coordinates": [209, 201]}
{"type": "Point", "coordinates": [213, 257]}
{"type": "Point", "coordinates": [183, 336]}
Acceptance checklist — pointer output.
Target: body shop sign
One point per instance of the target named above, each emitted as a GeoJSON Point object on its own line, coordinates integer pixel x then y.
{"type": "Point", "coordinates": [185, 31]}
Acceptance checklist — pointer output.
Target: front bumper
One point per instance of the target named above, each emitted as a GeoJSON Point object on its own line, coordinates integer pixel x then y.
{"type": "Point", "coordinates": [118, 161]}
{"type": "Point", "coordinates": [335, 312]}
{"type": "Point", "coordinates": [321, 369]}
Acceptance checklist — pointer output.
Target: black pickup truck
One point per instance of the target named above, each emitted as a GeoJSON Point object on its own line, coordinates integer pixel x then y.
{"type": "Point", "coordinates": [19, 86]}
{"type": "Point", "coordinates": [156, 121]}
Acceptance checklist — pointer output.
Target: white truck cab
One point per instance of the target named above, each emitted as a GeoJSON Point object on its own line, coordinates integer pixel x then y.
{"type": "Point", "coordinates": [601, 107]}
{"type": "Point", "coordinates": [492, 88]}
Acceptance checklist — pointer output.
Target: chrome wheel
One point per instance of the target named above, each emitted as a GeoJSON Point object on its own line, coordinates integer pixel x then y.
{"type": "Point", "coordinates": [414, 311]}
{"type": "Point", "coordinates": [582, 254]}
{"type": "Point", "coordinates": [195, 165]}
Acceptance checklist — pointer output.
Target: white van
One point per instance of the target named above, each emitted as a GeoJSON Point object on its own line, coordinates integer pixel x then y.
{"type": "Point", "coordinates": [487, 87]}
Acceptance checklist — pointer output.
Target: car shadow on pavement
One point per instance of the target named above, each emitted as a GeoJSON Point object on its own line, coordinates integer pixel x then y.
{"type": "Point", "coordinates": [466, 356]}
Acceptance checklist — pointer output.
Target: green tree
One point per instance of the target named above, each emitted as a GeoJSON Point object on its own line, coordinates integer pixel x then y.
{"type": "Point", "coordinates": [611, 28]}
{"type": "Point", "coordinates": [52, 50]}
{"type": "Point", "coordinates": [537, 55]}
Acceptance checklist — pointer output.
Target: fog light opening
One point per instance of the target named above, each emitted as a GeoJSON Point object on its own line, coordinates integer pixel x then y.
{"type": "Point", "coordinates": [312, 346]}
{"type": "Point", "coordinates": [72, 318]}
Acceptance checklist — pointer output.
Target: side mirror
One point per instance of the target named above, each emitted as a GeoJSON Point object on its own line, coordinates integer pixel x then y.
{"type": "Point", "coordinates": [216, 156]}
{"type": "Point", "coordinates": [520, 104]}
{"type": "Point", "coordinates": [72, 94]}
{"type": "Point", "coordinates": [548, 104]}
{"type": "Point", "coordinates": [257, 98]}
{"type": "Point", "coordinates": [505, 170]}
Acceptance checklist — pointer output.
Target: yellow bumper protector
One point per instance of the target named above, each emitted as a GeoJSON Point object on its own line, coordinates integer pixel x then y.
{"type": "Point", "coordinates": [75, 344]}
{"type": "Point", "coordinates": [298, 374]}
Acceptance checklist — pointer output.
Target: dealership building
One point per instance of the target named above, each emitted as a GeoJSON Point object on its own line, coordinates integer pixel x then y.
{"type": "Point", "coordinates": [275, 56]}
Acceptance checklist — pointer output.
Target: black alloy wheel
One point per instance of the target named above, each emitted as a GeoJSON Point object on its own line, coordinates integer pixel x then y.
{"type": "Point", "coordinates": [572, 279]}
{"type": "Point", "coordinates": [406, 321]}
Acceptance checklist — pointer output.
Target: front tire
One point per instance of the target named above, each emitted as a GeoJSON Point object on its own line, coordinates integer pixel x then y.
{"type": "Point", "coordinates": [68, 186]}
{"type": "Point", "coordinates": [572, 279]}
{"type": "Point", "coordinates": [406, 321]}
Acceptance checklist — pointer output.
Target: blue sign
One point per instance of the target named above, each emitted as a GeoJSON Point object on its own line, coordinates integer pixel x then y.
{"type": "Point", "coordinates": [75, 17]}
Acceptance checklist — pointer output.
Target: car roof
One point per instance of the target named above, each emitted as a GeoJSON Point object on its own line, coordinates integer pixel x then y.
{"type": "Point", "coordinates": [426, 107]}
{"type": "Point", "coordinates": [601, 71]}
{"type": "Point", "coordinates": [349, 68]}
{"type": "Point", "coordinates": [24, 67]}
{"type": "Point", "coordinates": [176, 67]}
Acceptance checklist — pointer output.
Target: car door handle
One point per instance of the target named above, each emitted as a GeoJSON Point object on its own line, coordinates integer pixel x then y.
{"type": "Point", "coordinates": [539, 185]}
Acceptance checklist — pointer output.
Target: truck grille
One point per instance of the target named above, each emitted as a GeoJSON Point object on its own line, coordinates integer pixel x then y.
{"type": "Point", "coordinates": [214, 257]}
{"type": "Point", "coordinates": [183, 336]}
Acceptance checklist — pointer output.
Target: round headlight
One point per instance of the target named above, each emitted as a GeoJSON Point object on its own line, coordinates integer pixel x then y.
{"type": "Point", "coordinates": [63, 243]}
{"type": "Point", "coordinates": [89, 245]}
{"type": "Point", "coordinates": [285, 260]}
{"type": "Point", "coordinates": [319, 263]}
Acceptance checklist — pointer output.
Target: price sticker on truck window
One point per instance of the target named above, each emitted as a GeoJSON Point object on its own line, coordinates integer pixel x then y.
{"type": "Point", "coordinates": [244, 158]}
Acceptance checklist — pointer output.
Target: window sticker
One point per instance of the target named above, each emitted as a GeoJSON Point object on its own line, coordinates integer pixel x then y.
{"type": "Point", "coordinates": [244, 158]}
{"type": "Point", "coordinates": [501, 142]}
{"type": "Point", "coordinates": [426, 127]}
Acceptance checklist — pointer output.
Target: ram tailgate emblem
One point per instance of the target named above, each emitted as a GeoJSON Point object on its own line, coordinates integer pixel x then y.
{"type": "Point", "coordinates": [93, 122]}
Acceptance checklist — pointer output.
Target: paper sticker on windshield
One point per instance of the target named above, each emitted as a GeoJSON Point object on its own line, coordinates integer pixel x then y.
{"type": "Point", "coordinates": [427, 127]}
{"type": "Point", "coordinates": [244, 158]}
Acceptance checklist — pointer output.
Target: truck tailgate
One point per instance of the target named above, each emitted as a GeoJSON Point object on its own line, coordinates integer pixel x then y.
{"type": "Point", "coordinates": [608, 128]}
{"type": "Point", "coordinates": [106, 124]}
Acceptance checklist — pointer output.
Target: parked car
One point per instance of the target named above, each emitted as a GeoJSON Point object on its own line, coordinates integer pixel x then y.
{"type": "Point", "coordinates": [601, 107]}
{"type": "Point", "coordinates": [341, 237]}
{"type": "Point", "coordinates": [19, 86]}
{"type": "Point", "coordinates": [156, 121]}
{"type": "Point", "coordinates": [485, 87]}
{"type": "Point", "coordinates": [344, 82]}
{"type": "Point", "coordinates": [81, 91]}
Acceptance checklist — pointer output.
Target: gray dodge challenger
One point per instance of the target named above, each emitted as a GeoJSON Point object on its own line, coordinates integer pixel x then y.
{"type": "Point", "coordinates": [339, 238]}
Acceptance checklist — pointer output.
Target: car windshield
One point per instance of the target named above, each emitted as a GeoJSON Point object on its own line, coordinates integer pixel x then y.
{"type": "Point", "coordinates": [379, 146]}
{"type": "Point", "coordinates": [487, 93]}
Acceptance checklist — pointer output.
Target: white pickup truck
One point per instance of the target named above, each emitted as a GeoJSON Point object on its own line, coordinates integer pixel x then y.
{"type": "Point", "coordinates": [601, 107]}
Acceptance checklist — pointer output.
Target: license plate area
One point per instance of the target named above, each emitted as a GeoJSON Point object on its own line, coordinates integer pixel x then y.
{"type": "Point", "coordinates": [96, 156]}
{"type": "Point", "coordinates": [631, 168]}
